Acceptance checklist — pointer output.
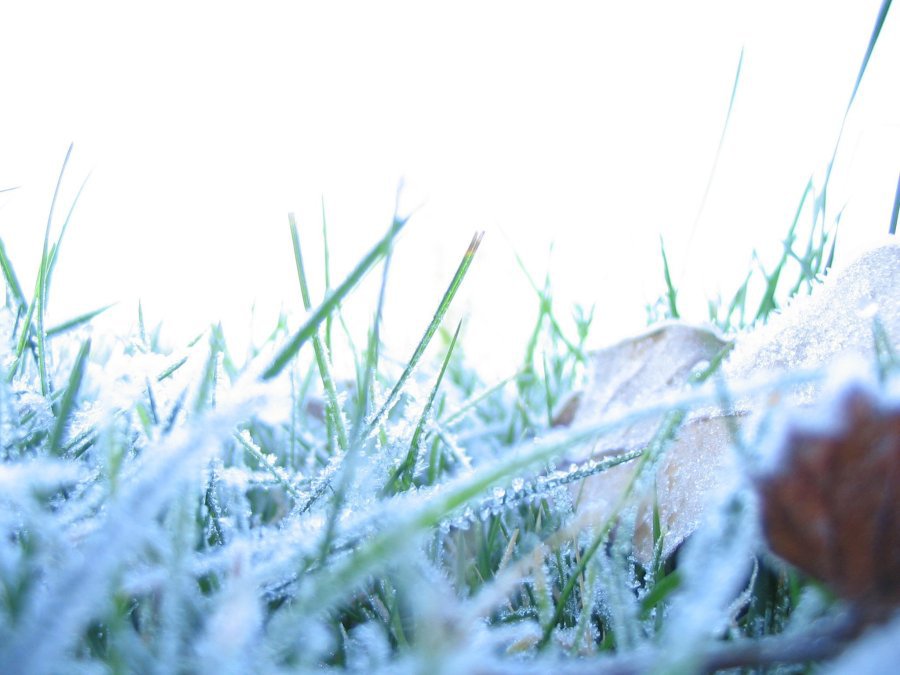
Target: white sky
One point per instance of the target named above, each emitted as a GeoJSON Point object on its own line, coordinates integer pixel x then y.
{"type": "Point", "coordinates": [589, 124]}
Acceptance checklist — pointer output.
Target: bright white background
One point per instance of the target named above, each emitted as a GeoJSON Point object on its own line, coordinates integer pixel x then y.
{"type": "Point", "coordinates": [591, 125]}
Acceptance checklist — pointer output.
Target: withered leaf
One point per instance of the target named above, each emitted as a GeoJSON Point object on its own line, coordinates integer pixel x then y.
{"type": "Point", "coordinates": [831, 506]}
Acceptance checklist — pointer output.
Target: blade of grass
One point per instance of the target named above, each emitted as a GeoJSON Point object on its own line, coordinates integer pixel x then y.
{"type": "Point", "coordinates": [475, 400]}
{"type": "Point", "coordinates": [67, 404]}
{"type": "Point", "coordinates": [206, 389]}
{"type": "Point", "coordinates": [873, 39]}
{"type": "Point", "coordinates": [54, 250]}
{"type": "Point", "coordinates": [671, 293]}
{"type": "Point", "coordinates": [326, 253]}
{"type": "Point", "coordinates": [12, 280]}
{"type": "Point", "coordinates": [768, 304]}
{"type": "Point", "coordinates": [77, 321]}
{"type": "Point", "coordinates": [402, 477]}
{"type": "Point", "coordinates": [348, 466]}
{"type": "Point", "coordinates": [432, 327]}
{"type": "Point", "coordinates": [546, 310]}
{"type": "Point", "coordinates": [266, 461]}
{"type": "Point", "coordinates": [43, 283]}
{"type": "Point", "coordinates": [335, 417]}
{"type": "Point", "coordinates": [715, 164]}
{"type": "Point", "coordinates": [168, 372]}
{"type": "Point", "coordinates": [332, 300]}
{"type": "Point", "coordinates": [895, 213]}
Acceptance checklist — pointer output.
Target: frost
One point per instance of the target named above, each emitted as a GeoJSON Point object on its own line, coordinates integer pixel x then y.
{"type": "Point", "coordinates": [18, 481]}
{"type": "Point", "coordinates": [878, 651]}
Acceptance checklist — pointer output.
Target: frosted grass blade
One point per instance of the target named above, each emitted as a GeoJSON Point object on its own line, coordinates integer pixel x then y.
{"type": "Point", "coordinates": [44, 282]}
{"type": "Point", "coordinates": [54, 250]}
{"type": "Point", "coordinates": [403, 475]}
{"type": "Point", "coordinates": [78, 321]}
{"type": "Point", "coordinates": [12, 280]}
{"type": "Point", "coordinates": [873, 40]}
{"type": "Point", "coordinates": [326, 253]}
{"type": "Point", "coordinates": [67, 405]}
{"type": "Point", "coordinates": [671, 293]}
{"type": "Point", "coordinates": [334, 417]}
{"type": "Point", "coordinates": [895, 212]}
{"type": "Point", "coordinates": [443, 306]}
{"type": "Point", "coordinates": [332, 301]}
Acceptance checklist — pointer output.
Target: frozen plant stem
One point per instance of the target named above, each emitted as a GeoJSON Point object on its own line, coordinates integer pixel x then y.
{"type": "Point", "coordinates": [333, 414]}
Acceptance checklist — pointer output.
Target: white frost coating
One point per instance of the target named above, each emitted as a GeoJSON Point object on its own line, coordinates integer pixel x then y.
{"type": "Point", "coordinates": [17, 481]}
{"type": "Point", "coordinates": [834, 321]}
{"type": "Point", "coordinates": [127, 521]}
{"type": "Point", "coordinates": [828, 416]}
{"type": "Point", "coordinates": [877, 651]}
{"type": "Point", "coordinates": [234, 630]}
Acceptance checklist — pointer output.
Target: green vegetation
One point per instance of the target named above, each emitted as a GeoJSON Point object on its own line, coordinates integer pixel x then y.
{"type": "Point", "coordinates": [216, 516]}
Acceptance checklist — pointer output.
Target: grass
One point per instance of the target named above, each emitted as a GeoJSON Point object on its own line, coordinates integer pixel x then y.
{"type": "Point", "coordinates": [220, 516]}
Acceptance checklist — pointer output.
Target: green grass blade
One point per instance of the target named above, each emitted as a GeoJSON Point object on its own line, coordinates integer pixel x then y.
{"type": "Point", "coordinates": [873, 39]}
{"type": "Point", "coordinates": [545, 311]}
{"type": "Point", "coordinates": [403, 475]}
{"type": "Point", "coordinates": [206, 391]}
{"type": "Point", "coordinates": [335, 417]}
{"type": "Point", "coordinates": [475, 400]}
{"type": "Point", "coordinates": [326, 253]}
{"type": "Point", "coordinates": [67, 405]}
{"type": "Point", "coordinates": [432, 327]}
{"type": "Point", "coordinates": [267, 462]}
{"type": "Point", "coordinates": [77, 321]}
{"type": "Point", "coordinates": [768, 304]}
{"type": "Point", "coordinates": [895, 213]}
{"type": "Point", "coordinates": [43, 282]}
{"type": "Point", "coordinates": [332, 300]}
{"type": "Point", "coordinates": [671, 293]}
{"type": "Point", "coordinates": [168, 372]}
{"type": "Point", "coordinates": [12, 281]}
{"type": "Point", "coordinates": [718, 155]}
{"type": "Point", "coordinates": [54, 250]}
{"type": "Point", "coordinates": [24, 334]}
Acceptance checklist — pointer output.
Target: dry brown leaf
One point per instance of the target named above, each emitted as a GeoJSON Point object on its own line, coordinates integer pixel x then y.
{"type": "Point", "coordinates": [831, 504]}
{"type": "Point", "coordinates": [641, 370]}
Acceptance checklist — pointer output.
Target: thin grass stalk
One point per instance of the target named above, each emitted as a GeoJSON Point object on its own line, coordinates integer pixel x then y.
{"type": "Point", "coordinates": [44, 282]}
{"type": "Point", "coordinates": [12, 281]}
{"type": "Point", "coordinates": [671, 293]}
{"type": "Point", "coordinates": [348, 467]}
{"type": "Point", "coordinates": [67, 405]}
{"type": "Point", "coordinates": [718, 155]}
{"type": "Point", "coordinates": [335, 417]}
{"type": "Point", "coordinates": [333, 300]}
{"type": "Point", "coordinates": [402, 477]}
{"type": "Point", "coordinates": [443, 306]}
{"type": "Point", "coordinates": [326, 252]}
{"type": "Point", "coordinates": [77, 322]}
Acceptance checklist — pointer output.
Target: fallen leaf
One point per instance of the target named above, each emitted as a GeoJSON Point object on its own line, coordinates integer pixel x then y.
{"type": "Point", "coordinates": [830, 505]}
